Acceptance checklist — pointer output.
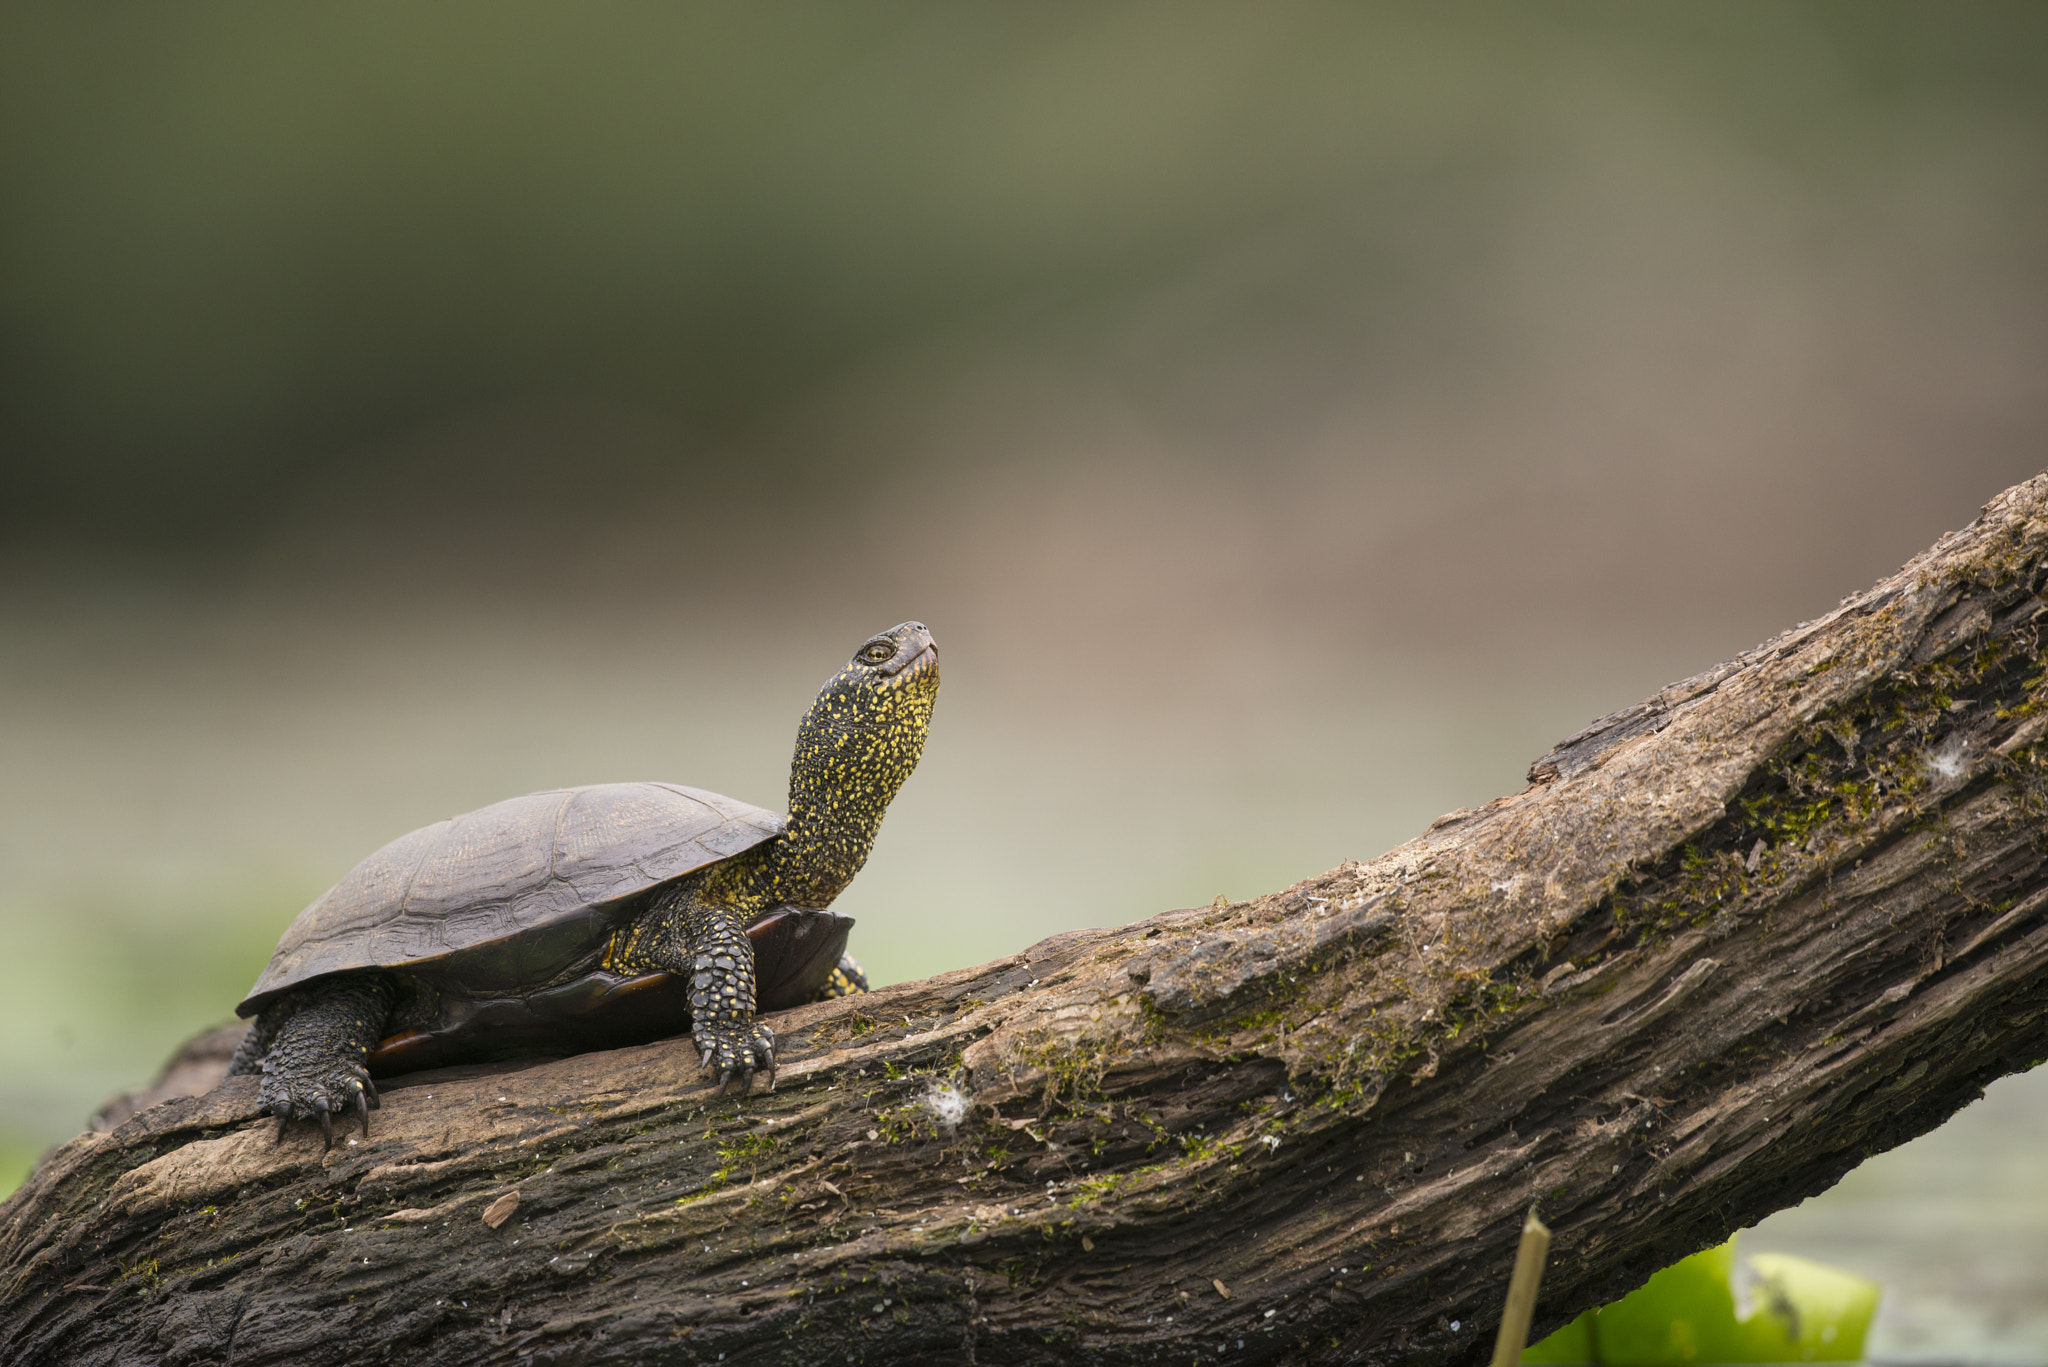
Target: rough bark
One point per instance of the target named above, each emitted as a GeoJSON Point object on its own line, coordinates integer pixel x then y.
{"type": "Point", "coordinates": [1728, 943]}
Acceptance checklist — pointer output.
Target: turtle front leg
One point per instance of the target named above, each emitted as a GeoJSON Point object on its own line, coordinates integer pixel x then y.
{"type": "Point", "coordinates": [720, 961]}
{"type": "Point", "coordinates": [847, 979]}
{"type": "Point", "coordinates": [317, 1039]}
{"type": "Point", "coordinates": [707, 943]}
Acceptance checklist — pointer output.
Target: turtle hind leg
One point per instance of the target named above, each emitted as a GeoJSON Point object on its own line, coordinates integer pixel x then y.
{"type": "Point", "coordinates": [249, 1053]}
{"type": "Point", "coordinates": [318, 1038]}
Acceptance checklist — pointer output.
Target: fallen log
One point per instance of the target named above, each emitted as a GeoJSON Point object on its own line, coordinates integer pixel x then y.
{"type": "Point", "coordinates": [1729, 942]}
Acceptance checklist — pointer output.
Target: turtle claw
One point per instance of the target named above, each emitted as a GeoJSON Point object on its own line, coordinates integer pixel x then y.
{"type": "Point", "coordinates": [340, 1093]}
{"type": "Point", "coordinates": [737, 1051]}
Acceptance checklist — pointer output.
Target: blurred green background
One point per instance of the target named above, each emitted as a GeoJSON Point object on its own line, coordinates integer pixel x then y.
{"type": "Point", "coordinates": [1290, 419]}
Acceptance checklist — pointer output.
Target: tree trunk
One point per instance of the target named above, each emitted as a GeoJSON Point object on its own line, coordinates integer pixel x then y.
{"type": "Point", "coordinates": [1728, 943]}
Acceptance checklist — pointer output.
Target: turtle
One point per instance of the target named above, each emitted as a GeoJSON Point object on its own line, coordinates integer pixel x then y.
{"type": "Point", "coordinates": [594, 916]}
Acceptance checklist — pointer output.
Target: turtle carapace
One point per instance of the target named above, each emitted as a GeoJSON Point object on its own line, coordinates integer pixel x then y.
{"type": "Point", "coordinates": [590, 917]}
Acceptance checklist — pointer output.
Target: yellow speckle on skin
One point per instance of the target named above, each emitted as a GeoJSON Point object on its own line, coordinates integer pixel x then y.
{"type": "Point", "coordinates": [857, 744]}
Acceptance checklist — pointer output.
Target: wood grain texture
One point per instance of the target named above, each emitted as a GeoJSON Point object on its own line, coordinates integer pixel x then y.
{"type": "Point", "coordinates": [1784, 915]}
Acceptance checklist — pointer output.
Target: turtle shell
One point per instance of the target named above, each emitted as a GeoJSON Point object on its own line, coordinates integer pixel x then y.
{"type": "Point", "coordinates": [504, 901]}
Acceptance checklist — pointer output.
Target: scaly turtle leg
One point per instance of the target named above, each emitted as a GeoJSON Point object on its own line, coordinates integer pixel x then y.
{"type": "Point", "coordinates": [309, 1047]}
{"type": "Point", "coordinates": [685, 934]}
{"type": "Point", "coordinates": [846, 980]}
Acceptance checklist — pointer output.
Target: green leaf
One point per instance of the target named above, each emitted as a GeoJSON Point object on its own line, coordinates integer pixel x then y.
{"type": "Point", "coordinates": [1790, 1310]}
{"type": "Point", "coordinates": [1571, 1344]}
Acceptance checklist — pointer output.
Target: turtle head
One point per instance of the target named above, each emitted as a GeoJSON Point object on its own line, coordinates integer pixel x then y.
{"type": "Point", "coordinates": [856, 746]}
{"type": "Point", "coordinates": [878, 705]}
{"type": "Point", "coordinates": [902, 657]}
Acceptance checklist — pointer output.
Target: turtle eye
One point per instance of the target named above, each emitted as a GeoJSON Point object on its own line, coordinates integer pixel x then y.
{"type": "Point", "coordinates": [876, 652]}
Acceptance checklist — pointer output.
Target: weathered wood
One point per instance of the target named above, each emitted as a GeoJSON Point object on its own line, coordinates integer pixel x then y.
{"type": "Point", "coordinates": [1780, 917]}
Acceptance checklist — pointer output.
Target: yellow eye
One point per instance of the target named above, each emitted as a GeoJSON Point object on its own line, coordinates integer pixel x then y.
{"type": "Point", "coordinates": [877, 652]}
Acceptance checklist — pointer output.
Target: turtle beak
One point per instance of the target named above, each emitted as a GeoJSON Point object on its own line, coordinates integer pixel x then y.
{"type": "Point", "coordinates": [916, 652]}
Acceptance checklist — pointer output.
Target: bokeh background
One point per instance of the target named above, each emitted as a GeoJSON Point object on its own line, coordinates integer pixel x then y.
{"type": "Point", "coordinates": [1290, 418]}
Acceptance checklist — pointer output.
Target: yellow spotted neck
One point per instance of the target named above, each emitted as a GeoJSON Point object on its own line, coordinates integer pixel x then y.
{"type": "Point", "coordinates": [856, 746]}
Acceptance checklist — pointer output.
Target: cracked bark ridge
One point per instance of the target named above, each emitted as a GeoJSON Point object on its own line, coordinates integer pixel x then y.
{"type": "Point", "coordinates": [1727, 944]}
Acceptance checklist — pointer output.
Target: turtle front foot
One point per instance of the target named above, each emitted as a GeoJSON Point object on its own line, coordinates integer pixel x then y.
{"type": "Point", "coordinates": [846, 980]}
{"type": "Point", "coordinates": [336, 1090]}
{"type": "Point", "coordinates": [738, 1049]}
